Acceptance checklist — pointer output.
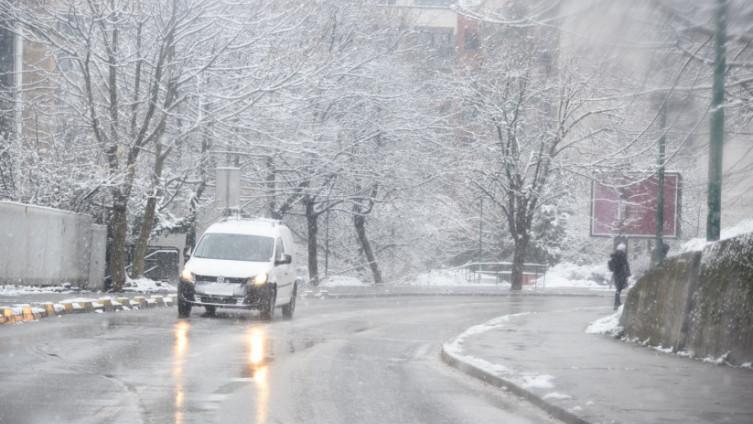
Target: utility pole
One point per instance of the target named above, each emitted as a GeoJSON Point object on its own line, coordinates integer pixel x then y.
{"type": "Point", "coordinates": [658, 256]}
{"type": "Point", "coordinates": [481, 229]}
{"type": "Point", "coordinates": [716, 142]}
{"type": "Point", "coordinates": [326, 243]}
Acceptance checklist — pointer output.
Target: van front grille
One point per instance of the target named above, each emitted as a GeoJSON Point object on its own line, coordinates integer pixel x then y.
{"type": "Point", "coordinates": [213, 279]}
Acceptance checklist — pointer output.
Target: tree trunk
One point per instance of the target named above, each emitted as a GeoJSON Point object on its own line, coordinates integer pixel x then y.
{"type": "Point", "coordinates": [119, 221]}
{"type": "Point", "coordinates": [312, 226]}
{"type": "Point", "coordinates": [119, 231]}
{"type": "Point", "coordinates": [359, 222]}
{"type": "Point", "coordinates": [518, 259]}
{"type": "Point", "coordinates": [193, 211]}
{"type": "Point", "coordinates": [142, 244]}
{"type": "Point", "coordinates": [271, 185]}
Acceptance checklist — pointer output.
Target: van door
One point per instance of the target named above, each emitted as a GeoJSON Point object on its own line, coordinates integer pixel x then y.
{"type": "Point", "coordinates": [283, 273]}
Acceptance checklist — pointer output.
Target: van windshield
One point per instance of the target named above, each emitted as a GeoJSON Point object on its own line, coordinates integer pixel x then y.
{"type": "Point", "coordinates": [235, 247]}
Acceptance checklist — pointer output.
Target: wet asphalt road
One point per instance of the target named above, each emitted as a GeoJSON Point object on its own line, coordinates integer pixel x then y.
{"type": "Point", "coordinates": [367, 360]}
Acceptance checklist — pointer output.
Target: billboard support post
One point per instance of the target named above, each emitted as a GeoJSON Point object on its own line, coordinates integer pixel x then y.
{"type": "Point", "coordinates": [228, 190]}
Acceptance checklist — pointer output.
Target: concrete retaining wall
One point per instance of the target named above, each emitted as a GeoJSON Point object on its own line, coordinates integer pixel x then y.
{"type": "Point", "coordinates": [721, 309]}
{"type": "Point", "coordinates": [700, 302]}
{"type": "Point", "coordinates": [45, 246]}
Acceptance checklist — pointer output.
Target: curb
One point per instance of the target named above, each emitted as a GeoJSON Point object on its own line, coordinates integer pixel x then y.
{"type": "Point", "coordinates": [35, 312]}
{"type": "Point", "coordinates": [476, 372]}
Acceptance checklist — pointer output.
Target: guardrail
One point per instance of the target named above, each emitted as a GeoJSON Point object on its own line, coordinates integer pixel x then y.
{"type": "Point", "coordinates": [475, 271]}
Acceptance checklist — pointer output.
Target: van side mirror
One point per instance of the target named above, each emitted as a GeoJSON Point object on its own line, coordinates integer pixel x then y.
{"type": "Point", "coordinates": [187, 254]}
{"type": "Point", "coordinates": [286, 259]}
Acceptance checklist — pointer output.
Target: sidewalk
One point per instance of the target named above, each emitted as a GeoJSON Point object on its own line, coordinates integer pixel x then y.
{"type": "Point", "coordinates": [548, 358]}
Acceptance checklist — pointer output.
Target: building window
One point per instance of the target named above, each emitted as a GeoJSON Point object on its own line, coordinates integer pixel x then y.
{"type": "Point", "coordinates": [440, 40]}
{"type": "Point", "coordinates": [443, 3]}
{"type": "Point", "coordinates": [472, 42]}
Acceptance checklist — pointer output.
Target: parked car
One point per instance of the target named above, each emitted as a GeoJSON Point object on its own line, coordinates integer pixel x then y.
{"type": "Point", "coordinates": [241, 263]}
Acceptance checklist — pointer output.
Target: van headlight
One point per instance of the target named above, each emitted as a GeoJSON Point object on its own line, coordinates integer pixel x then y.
{"type": "Point", "coordinates": [259, 279]}
{"type": "Point", "coordinates": [187, 276]}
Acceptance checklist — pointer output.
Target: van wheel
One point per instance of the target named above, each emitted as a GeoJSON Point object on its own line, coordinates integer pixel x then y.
{"type": "Point", "coordinates": [210, 310]}
{"type": "Point", "coordinates": [184, 308]}
{"type": "Point", "coordinates": [268, 307]}
{"type": "Point", "coordinates": [289, 309]}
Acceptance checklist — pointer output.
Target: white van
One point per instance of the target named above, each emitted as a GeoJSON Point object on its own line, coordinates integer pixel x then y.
{"type": "Point", "coordinates": [242, 264]}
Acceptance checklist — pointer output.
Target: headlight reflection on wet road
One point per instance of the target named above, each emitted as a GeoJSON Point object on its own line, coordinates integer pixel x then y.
{"type": "Point", "coordinates": [179, 354]}
{"type": "Point", "coordinates": [257, 367]}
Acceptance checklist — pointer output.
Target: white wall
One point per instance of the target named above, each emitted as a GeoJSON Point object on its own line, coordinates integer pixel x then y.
{"type": "Point", "coordinates": [45, 246]}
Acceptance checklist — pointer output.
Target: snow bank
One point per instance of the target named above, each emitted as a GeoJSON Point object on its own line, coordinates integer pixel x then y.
{"type": "Point", "coordinates": [146, 285]}
{"type": "Point", "coordinates": [14, 290]}
{"type": "Point", "coordinates": [543, 381]}
{"type": "Point", "coordinates": [527, 381]}
{"type": "Point", "coordinates": [557, 396]}
{"type": "Point", "coordinates": [342, 281]}
{"type": "Point", "coordinates": [456, 346]}
{"type": "Point", "coordinates": [576, 276]}
{"type": "Point", "coordinates": [447, 278]}
{"type": "Point", "coordinates": [563, 275]}
{"type": "Point", "coordinates": [697, 244]}
{"type": "Point", "coordinates": [609, 324]}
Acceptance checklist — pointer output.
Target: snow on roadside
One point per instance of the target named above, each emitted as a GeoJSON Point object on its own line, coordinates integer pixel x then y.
{"type": "Point", "coordinates": [342, 281]}
{"type": "Point", "coordinates": [609, 324]}
{"type": "Point", "coordinates": [543, 381]}
{"type": "Point", "coordinates": [563, 275]}
{"type": "Point", "coordinates": [542, 384]}
{"type": "Point", "coordinates": [556, 396]}
{"type": "Point", "coordinates": [456, 345]}
{"type": "Point", "coordinates": [14, 290]}
{"type": "Point", "coordinates": [449, 277]}
{"type": "Point", "coordinates": [566, 274]}
{"type": "Point", "coordinates": [454, 349]}
{"type": "Point", "coordinates": [146, 285]}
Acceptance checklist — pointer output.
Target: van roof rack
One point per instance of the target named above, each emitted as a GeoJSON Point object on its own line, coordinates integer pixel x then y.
{"type": "Point", "coordinates": [271, 221]}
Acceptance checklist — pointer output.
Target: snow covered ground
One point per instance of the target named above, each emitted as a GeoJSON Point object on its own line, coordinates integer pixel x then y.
{"type": "Point", "coordinates": [526, 380]}
{"type": "Point", "coordinates": [19, 290]}
{"type": "Point", "coordinates": [564, 275]}
{"type": "Point", "coordinates": [609, 324]}
{"type": "Point", "coordinates": [146, 285]}
{"type": "Point", "coordinates": [569, 275]}
{"type": "Point", "coordinates": [342, 281]}
{"type": "Point", "coordinates": [450, 277]}
{"type": "Point", "coordinates": [141, 285]}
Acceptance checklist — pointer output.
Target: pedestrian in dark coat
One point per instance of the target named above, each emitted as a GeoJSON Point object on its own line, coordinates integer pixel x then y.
{"type": "Point", "coordinates": [618, 264]}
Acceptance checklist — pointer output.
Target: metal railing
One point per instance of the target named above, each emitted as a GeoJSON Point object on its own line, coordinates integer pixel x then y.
{"type": "Point", "coordinates": [501, 271]}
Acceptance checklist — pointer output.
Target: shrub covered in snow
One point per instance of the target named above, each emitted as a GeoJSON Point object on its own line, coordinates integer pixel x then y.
{"type": "Point", "coordinates": [571, 275]}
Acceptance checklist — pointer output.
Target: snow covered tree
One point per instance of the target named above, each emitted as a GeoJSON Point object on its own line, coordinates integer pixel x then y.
{"type": "Point", "coordinates": [117, 67]}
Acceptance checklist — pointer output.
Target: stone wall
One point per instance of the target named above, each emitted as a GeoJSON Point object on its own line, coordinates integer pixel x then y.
{"type": "Point", "coordinates": [45, 246]}
{"type": "Point", "coordinates": [699, 302]}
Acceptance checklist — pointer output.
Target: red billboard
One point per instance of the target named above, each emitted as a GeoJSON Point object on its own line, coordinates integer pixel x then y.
{"type": "Point", "coordinates": [627, 206]}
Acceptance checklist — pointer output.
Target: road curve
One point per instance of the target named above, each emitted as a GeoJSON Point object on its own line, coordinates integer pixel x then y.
{"type": "Point", "coordinates": [365, 360]}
